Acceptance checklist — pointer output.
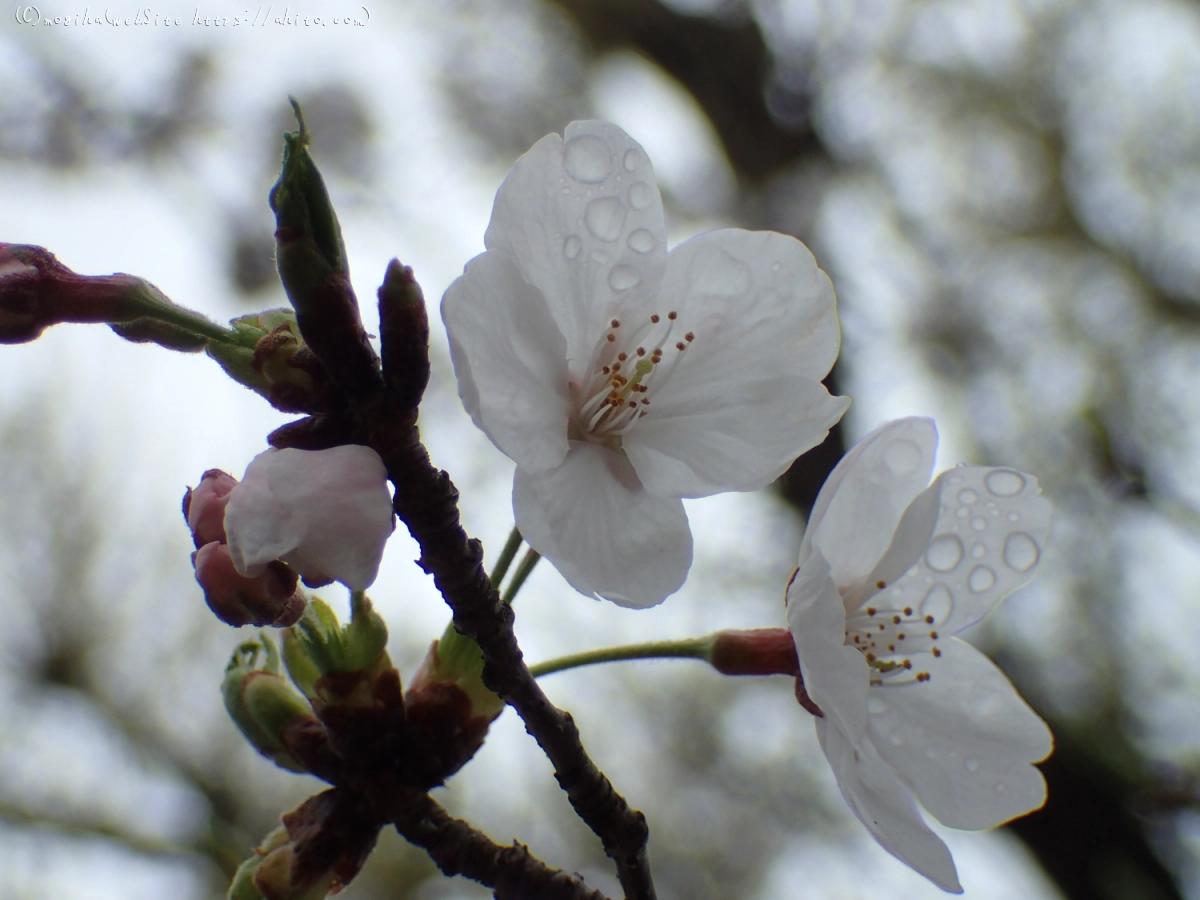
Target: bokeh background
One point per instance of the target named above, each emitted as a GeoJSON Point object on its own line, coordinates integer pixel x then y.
{"type": "Point", "coordinates": [1006, 194]}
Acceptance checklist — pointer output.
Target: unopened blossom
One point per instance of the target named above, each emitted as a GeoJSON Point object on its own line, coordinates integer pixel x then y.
{"type": "Point", "coordinates": [891, 569]}
{"type": "Point", "coordinates": [326, 513]}
{"type": "Point", "coordinates": [270, 597]}
{"type": "Point", "coordinates": [621, 378]}
{"type": "Point", "coordinates": [204, 507]}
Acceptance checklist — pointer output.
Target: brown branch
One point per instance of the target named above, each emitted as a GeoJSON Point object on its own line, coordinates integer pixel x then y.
{"type": "Point", "coordinates": [458, 849]}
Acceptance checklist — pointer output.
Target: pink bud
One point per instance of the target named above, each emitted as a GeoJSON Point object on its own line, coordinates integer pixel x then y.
{"type": "Point", "coordinates": [204, 506]}
{"type": "Point", "coordinates": [269, 598]}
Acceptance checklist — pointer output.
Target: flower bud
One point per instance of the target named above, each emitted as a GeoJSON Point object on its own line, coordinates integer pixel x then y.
{"type": "Point", "coordinates": [269, 598]}
{"type": "Point", "coordinates": [204, 507]}
{"type": "Point", "coordinates": [261, 703]}
{"type": "Point", "coordinates": [318, 649]}
{"type": "Point", "coordinates": [271, 359]}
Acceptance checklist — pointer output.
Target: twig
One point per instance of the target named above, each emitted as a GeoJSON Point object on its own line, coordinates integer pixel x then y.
{"type": "Point", "coordinates": [458, 849]}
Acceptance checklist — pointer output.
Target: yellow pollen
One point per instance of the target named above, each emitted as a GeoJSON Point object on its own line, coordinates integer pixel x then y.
{"type": "Point", "coordinates": [895, 620]}
{"type": "Point", "coordinates": [933, 635]}
{"type": "Point", "coordinates": [881, 584]}
{"type": "Point", "coordinates": [929, 620]}
{"type": "Point", "coordinates": [908, 610]}
{"type": "Point", "coordinates": [937, 652]}
{"type": "Point", "coordinates": [907, 664]}
{"type": "Point", "coordinates": [871, 610]}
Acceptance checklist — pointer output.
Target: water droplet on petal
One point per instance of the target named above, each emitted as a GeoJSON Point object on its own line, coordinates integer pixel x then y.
{"type": "Point", "coordinates": [876, 706]}
{"type": "Point", "coordinates": [967, 497]}
{"type": "Point", "coordinates": [1001, 788]}
{"type": "Point", "coordinates": [774, 267]}
{"type": "Point", "coordinates": [1013, 517]}
{"type": "Point", "coordinates": [622, 277]}
{"type": "Point", "coordinates": [586, 158]}
{"type": "Point", "coordinates": [1020, 552]}
{"type": "Point", "coordinates": [962, 512]}
{"type": "Point", "coordinates": [937, 603]}
{"type": "Point", "coordinates": [972, 764]}
{"type": "Point", "coordinates": [572, 246]}
{"type": "Point", "coordinates": [642, 240]}
{"type": "Point", "coordinates": [981, 579]}
{"type": "Point", "coordinates": [631, 160]}
{"type": "Point", "coordinates": [978, 551]}
{"type": "Point", "coordinates": [979, 524]}
{"type": "Point", "coordinates": [944, 553]}
{"type": "Point", "coordinates": [605, 217]}
{"type": "Point", "coordinates": [1004, 482]}
{"type": "Point", "coordinates": [896, 739]}
{"type": "Point", "coordinates": [641, 195]}
{"type": "Point", "coordinates": [901, 457]}
{"type": "Point", "coordinates": [566, 191]}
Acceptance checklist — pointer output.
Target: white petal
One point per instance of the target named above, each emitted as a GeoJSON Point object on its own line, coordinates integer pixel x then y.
{"type": "Point", "coordinates": [835, 676]}
{"type": "Point", "coordinates": [746, 438]}
{"type": "Point", "coordinates": [861, 502]}
{"type": "Point", "coordinates": [991, 527]}
{"type": "Point", "coordinates": [510, 360]}
{"type": "Point", "coordinates": [591, 518]}
{"type": "Point", "coordinates": [879, 800]}
{"type": "Point", "coordinates": [964, 740]}
{"type": "Point", "coordinates": [744, 399]}
{"type": "Point", "coordinates": [583, 219]}
{"type": "Point", "coordinates": [328, 511]}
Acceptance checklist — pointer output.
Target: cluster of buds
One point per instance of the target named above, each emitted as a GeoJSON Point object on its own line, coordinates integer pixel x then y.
{"type": "Point", "coordinates": [272, 597]}
{"type": "Point", "coordinates": [320, 847]}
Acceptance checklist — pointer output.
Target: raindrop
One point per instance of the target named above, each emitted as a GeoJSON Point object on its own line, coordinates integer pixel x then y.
{"type": "Point", "coordinates": [901, 457]}
{"type": "Point", "coordinates": [1000, 788]}
{"type": "Point", "coordinates": [641, 240]}
{"type": "Point", "coordinates": [1020, 552]}
{"type": "Point", "coordinates": [981, 579]}
{"type": "Point", "coordinates": [967, 497]}
{"type": "Point", "coordinates": [977, 551]}
{"type": "Point", "coordinates": [1013, 517]}
{"type": "Point", "coordinates": [641, 195]}
{"type": "Point", "coordinates": [1004, 482]}
{"type": "Point", "coordinates": [972, 763]}
{"type": "Point", "coordinates": [876, 706]}
{"type": "Point", "coordinates": [587, 159]}
{"type": "Point", "coordinates": [622, 278]}
{"type": "Point", "coordinates": [566, 192]}
{"type": "Point", "coordinates": [774, 267]}
{"type": "Point", "coordinates": [955, 479]}
{"type": "Point", "coordinates": [937, 603]}
{"type": "Point", "coordinates": [631, 160]}
{"type": "Point", "coordinates": [605, 217]}
{"type": "Point", "coordinates": [979, 524]}
{"type": "Point", "coordinates": [896, 739]}
{"type": "Point", "coordinates": [944, 553]}
{"type": "Point", "coordinates": [572, 246]}
{"type": "Point", "coordinates": [962, 512]}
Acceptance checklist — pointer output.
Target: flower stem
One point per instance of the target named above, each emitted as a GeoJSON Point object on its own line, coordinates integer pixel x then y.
{"type": "Point", "coordinates": [527, 563]}
{"type": "Point", "coordinates": [506, 557]}
{"type": "Point", "coordinates": [692, 648]}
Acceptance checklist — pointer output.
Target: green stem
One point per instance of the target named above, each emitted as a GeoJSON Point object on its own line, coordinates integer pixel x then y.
{"type": "Point", "coordinates": [519, 576]}
{"type": "Point", "coordinates": [511, 546]}
{"type": "Point", "coordinates": [692, 648]}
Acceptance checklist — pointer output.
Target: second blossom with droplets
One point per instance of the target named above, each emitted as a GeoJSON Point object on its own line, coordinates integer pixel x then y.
{"type": "Point", "coordinates": [891, 569]}
{"type": "Point", "coordinates": [621, 378]}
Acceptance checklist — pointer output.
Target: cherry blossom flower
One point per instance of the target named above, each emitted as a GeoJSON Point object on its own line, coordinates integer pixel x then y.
{"type": "Point", "coordinates": [889, 570]}
{"type": "Point", "coordinates": [326, 513]}
{"type": "Point", "coordinates": [621, 378]}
